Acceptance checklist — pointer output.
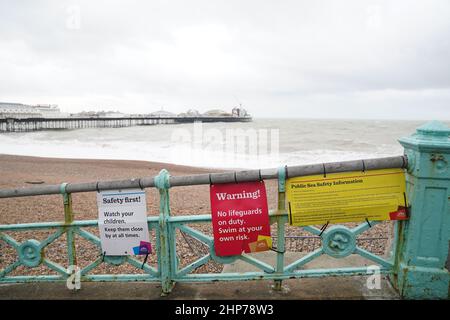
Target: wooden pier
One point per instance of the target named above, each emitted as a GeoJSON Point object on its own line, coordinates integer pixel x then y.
{"type": "Point", "coordinates": [34, 124]}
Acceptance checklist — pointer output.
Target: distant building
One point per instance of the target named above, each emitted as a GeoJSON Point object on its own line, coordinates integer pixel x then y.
{"type": "Point", "coordinates": [22, 111]}
{"type": "Point", "coordinates": [216, 113]}
{"type": "Point", "coordinates": [162, 113]}
{"type": "Point", "coordinates": [50, 111]}
{"type": "Point", "coordinates": [18, 111]}
{"type": "Point", "coordinates": [190, 113]}
{"type": "Point", "coordinates": [239, 112]}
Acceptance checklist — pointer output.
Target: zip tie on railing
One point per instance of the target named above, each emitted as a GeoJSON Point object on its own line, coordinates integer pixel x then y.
{"type": "Point", "coordinates": [367, 220]}
{"type": "Point", "coordinates": [364, 166]}
{"type": "Point", "coordinates": [96, 187]}
{"type": "Point", "coordinates": [260, 176]}
{"type": "Point", "coordinates": [145, 260]}
{"type": "Point", "coordinates": [323, 228]}
{"type": "Point", "coordinates": [275, 249]}
{"type": "Point", "coordinates": [140, 185]}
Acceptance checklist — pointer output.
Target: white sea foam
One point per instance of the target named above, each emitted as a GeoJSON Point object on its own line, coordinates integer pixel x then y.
{"type": "Point", "coordinates": [301, 142]}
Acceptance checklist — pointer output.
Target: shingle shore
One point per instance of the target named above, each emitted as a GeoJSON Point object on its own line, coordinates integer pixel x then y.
{"type": "Point", "coordinates": [19, 171]}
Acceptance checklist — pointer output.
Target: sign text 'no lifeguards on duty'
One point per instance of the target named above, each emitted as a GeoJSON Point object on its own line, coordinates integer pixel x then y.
{"type": "Point", "coordinates": [240, 218]}
{"type": "Point", "coordinates": [347, 197]}
{"type": "Point", "coordinates": [122, 220]}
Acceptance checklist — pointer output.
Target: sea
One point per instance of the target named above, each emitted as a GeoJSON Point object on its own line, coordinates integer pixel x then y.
{"type": "Point", "coordinates": [262, 143]}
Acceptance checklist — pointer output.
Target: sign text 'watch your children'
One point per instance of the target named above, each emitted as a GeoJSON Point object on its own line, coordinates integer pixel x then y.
{"type": "Point", "coordinates": [122, 220]}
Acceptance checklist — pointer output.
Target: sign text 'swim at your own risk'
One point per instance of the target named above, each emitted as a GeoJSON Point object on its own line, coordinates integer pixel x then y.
{"type": "Point", "coordinates": [347, 197]}
{"type": "Point", "coordinates": [240, 218]}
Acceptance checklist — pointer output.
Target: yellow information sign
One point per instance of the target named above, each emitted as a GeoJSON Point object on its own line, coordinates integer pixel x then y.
{"type": "Point", "coordinates": [347, 197]}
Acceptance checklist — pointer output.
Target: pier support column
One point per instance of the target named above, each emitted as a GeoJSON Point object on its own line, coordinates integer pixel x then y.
{"type": "Point", "coordinates": [422, 262]}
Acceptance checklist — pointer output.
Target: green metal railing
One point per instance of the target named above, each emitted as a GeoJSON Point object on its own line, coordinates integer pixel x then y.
{"type": "Point", "coordinates": [416, 269]}
{"type": "Point", "coordinates": [31, 253]}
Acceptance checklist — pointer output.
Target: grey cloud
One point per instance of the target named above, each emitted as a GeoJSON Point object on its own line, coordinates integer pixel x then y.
{"type": "Point", "coordinates": [379, 59]}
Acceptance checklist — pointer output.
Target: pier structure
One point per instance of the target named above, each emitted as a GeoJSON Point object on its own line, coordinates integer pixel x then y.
{"type": "Point", "coordinates": [34, 124]}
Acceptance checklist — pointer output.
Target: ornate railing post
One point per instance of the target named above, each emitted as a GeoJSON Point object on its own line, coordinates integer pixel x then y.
{"type": "Point", "coordinates": [281, 221]}
{"type": "Point", "coordinates": [68, 219]}
{"type": "Point", "coordinates": [423, 240]}
{"type": "Point", "coordinates": [163, 185]}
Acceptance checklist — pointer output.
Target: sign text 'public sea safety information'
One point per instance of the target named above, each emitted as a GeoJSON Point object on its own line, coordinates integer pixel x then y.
{"type": "Point", "coordinates": [347, 197]}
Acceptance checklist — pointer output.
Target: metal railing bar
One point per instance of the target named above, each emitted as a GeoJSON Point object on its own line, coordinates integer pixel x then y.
{"type": "Point", "coordinates": [91, 266]}
{"type": "Point", "coordinates": [138, 264]}
{"type": "Point", "coordinates": [52, 238]}
{"type": "Point", "coordinates": [47, 225]}
{"type": "Point", "coordinates": [312, 230]}
{"type": "Point", "coordinates": [55, 267]}
{"type": "Point", "coordinates": [249, 276]}
{"type": "Point", "coordinates": [88, 236]}
{"type": "Point", "coordinates": [304, 260]}
{"type": "Point", "coordinates": [372, 257]}
{"type": "Point", "coordinates": [257, 263]}
{"type": "Point", "coordinates": [9, 240]}
{"type": "Point", "coordinates": [9, 268]}
{"type": "Point", "coordinates": [42, 278]}
{"type": "Point", "coordinates": [225, 177]}
{"type": "Point", "coordinates": [194, 265]}
{"type": "Point", "coordinates": [121, 277]}
{"type": "Point", "coordinates": [197, 234]}
{"type": "Point", "coordinates": [190, 218]}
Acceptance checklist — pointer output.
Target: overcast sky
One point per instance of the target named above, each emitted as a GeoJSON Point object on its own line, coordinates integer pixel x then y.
{"type": "Point", "coordinates": [364, 59]}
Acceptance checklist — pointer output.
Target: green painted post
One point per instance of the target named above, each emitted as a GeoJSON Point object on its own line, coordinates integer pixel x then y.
{"type": "Point", "coordinates": [68, 219]}
{"type": "Point", "coordinates": [163, 185]}
{"type": "Point", "coordinates": [423, 240]}
{"type": "Point", "coordinates": [281, 220]}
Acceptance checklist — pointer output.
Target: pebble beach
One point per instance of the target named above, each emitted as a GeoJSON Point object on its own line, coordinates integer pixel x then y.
{"type": "Point", "coordinates": [24, 171]}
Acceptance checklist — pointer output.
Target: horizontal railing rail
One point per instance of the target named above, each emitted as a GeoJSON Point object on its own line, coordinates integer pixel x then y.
{"type": "Point", "coordinates": [212, 178]}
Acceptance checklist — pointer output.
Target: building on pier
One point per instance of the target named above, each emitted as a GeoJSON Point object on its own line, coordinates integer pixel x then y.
{"type": "Point", "coordinates": [216, 113]}
{"type": "Point", "coordinates": [162, 113]}
{"type": "Point", "coordinates": [50, 111]}
{"type": "Point", "coordinates": [18, 111]}
{"type": "Point", "coordinates": [23, 111]}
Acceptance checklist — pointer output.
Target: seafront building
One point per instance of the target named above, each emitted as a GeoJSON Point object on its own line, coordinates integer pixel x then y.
{"type": "Point", "coordinates": [24, 111]}
{"type": "Point", "coordinates": [50, 111]}
{"type": "Point", "coordinates": [18, 111]}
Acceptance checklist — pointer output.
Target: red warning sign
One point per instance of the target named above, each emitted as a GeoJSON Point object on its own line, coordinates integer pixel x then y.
{"type": "Point", "coordinates": [240, 218]}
